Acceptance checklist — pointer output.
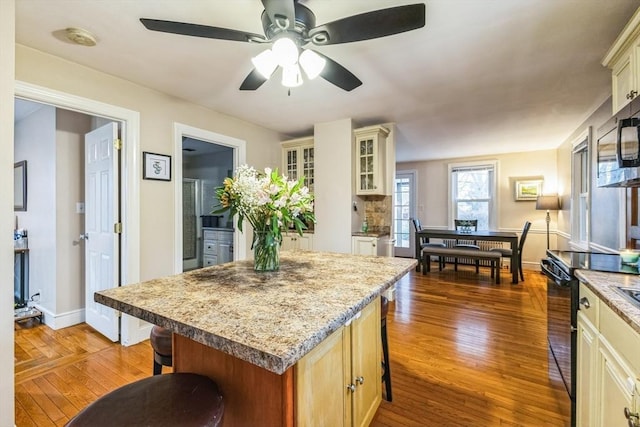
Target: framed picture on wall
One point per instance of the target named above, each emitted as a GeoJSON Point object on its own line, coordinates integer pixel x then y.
{"type": "Point", "coordinates": [156, 166]}
{"type": "Point", "coordinates": [528, 189]}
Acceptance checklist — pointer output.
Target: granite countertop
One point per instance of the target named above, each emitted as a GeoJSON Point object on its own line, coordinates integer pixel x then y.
{"type": "Point", "coordinates": [370, 233]}
{"type": "Point", "coordinates": [269, 319]}
{"type": "Point", "coordinates": [603, 285]}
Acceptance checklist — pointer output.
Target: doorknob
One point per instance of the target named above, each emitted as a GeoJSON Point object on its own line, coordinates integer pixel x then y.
{"type": "Point", "coordinates": [84, 236]}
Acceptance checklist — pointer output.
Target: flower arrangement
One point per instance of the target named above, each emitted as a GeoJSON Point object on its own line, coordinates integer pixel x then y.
{"type": "Point", "coordinates": [270, 202]}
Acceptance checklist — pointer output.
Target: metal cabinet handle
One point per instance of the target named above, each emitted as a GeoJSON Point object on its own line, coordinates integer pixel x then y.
{"type": "Point", "coordinates": [84, 236]}
{"type": "Point", "coordinates": [360, 380]}
{"type": "Point", "coordinates": [584, 301]}
{"type": "Point", "coordinates": [631, 94]}
{"type": "Point", "coordinates": [351, 387]}
{"type": "Point", "coordinates": [632, 417]}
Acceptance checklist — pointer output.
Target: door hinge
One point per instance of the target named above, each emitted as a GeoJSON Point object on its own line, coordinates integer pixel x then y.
{"type": "Point", "coordinates": [117, 228]}
{"type": "Point", "coordinates": [117, 143]}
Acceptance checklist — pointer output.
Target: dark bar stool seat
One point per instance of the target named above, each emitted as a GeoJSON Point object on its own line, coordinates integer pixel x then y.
{"type": "Point", "coordinates": [162, 348]}
{"type": "Point", "coordinates": [386, 375]}
{"type": "Point", "coordinates": [169, 400]}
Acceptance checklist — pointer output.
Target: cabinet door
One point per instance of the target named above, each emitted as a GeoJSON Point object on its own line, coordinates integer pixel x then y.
{"type": "Point", "coordinates": [622, 82]}
{"type": "Point", "coordinates": [616, 389]}
{"type": "Point", "coordinates": [366, 368]}
{"type": "Point", "coordinates": [224, 252]}
{"type": "Point", "coordinates": [586, 372]}
{"type": "Point", "coordinates": [305, 242]}
{"type": "Point", "coordinates": [289, 243]}
{"type": "Point", "coordinates": [367, 165]}
{"type": "Point", "coordinates": [291, 162]}
{"type": "Point", "coordinates": [364, 246]}
{"type": "Point", "coordinates": [322, 376]}
{"type": "Point", "coordinates": [307, 166]}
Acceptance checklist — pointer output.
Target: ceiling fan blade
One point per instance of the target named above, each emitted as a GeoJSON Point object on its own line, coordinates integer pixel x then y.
{"type": "Point", "coordinates": [197, 30]}
{"type": "Point", "coordinates": [282, 13]}
{"type": "Point", "coordinates": [338, 75]}
{"type": "Point", "coordinates": [253, 81]}
{"type": "Point", "coordinates": [370, 25]}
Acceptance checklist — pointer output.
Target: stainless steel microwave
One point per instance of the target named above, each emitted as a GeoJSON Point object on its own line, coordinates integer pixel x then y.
{"type": "Point", "coordinates": [619, 152]}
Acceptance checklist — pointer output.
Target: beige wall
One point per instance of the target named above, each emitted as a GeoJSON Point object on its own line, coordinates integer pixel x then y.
{"type": "Point", "coordinates": [69, 178]}
{"type": "Point", "coordinates": [158, 112]}
{"type": "Point", "coordinates": [433, 205]}
{"type": "Point", "coordinates": [605, 202]}
{"type": "Point", "coordinates": [7, 30]}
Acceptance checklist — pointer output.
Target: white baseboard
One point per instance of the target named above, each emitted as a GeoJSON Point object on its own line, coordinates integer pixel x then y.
{"type": "Point", "coordinates": [62, 320]}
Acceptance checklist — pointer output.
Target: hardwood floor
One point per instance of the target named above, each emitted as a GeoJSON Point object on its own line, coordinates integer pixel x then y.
{"type": "Point", "coordinates": [464, 352]}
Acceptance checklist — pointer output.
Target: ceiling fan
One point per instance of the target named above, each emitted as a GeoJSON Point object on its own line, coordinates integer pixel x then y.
{"type": "Point", "coordinates": [290, 27]}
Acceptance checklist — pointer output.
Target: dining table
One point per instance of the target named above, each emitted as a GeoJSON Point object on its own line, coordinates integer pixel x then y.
{"type": "Point", "coordinates": [509, 237]}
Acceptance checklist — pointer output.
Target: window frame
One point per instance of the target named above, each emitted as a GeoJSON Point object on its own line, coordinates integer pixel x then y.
{"type": "Point", "coordinates": [581, 144]}
{"type": "Point", "coordinates": [493, 189]}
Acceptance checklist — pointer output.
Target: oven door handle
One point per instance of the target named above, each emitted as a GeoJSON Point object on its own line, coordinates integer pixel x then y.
{"type": "Point", "coordinates": [560, 281]}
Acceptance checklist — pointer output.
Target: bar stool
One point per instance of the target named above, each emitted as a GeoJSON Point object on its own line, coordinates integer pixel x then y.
{"type": "Point", "coordinates": [386, 375]}
{"type": "Point", "coordinates": [182, 399]}
{"type": "Point", "coordinates": [162, 348]}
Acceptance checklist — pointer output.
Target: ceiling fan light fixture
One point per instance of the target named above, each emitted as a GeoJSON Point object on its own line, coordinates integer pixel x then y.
{"type": "Point", "coordinates": [265, 63]}
{"type": "Point", "coordinates": [312, 63]}
{"type": "Point", "coordinates": [291, 76]}
{"type": "Point", "coordinates": [285, 51]}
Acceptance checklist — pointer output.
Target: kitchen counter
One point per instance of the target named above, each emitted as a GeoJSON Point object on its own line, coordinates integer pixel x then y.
{"type": "Point", "coordinates": [603, 285]}
{"type": "Point", "coordinates": [375, 234]}
{"type": "Point", "coordinates": [270, 320]}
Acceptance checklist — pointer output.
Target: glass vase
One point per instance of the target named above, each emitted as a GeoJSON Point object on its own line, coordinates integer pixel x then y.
{"type": "Point", "coordinates": [266, 251]}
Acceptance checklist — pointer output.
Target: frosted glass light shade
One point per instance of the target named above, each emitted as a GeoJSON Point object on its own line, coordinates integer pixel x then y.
{"type": "Point", "coordinates": [265, 63]}
{"type": "Point", "coordinates": [312, 63]}
{"type": "Point", "coordinates": [291, 76]}
{"type": "Point", "coordinates": [285, 51]}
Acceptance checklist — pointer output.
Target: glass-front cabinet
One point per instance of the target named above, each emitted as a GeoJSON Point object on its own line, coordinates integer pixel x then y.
{"type": "Point", "coordinates": [370, 144]}
{"type": "Point", "coordinates": [298, 160]}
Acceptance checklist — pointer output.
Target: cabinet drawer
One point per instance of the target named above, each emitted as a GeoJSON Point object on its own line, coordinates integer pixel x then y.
{"type": "Point", "coordinates": [621, 336]}
{"type": "Point", "coordinates": [209, 260]}
{"type": "Point", "coordinates": [587, 297]}
{"type": "Point", "coordinates": [209, 235]}
{"type": "Point", "coordinates": [210, 248]}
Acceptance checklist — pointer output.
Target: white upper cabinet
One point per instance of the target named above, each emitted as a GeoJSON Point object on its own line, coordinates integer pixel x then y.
{"type": "Point", "coordinates": [623, 58]}
{"type": "Point", "coordinates": [370, 158]}
{"type": "Point", "coordinates": [298, 160]}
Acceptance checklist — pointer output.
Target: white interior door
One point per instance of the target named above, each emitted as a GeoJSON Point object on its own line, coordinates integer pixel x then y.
{"type": "Point", "coordinates": [404, 210]}
{"type": "Point", "coordinates": [101, 213]}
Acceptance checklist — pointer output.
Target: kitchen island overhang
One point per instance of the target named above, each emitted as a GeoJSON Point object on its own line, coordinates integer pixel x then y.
{"type": "Point", "coordinates": [270, 320]}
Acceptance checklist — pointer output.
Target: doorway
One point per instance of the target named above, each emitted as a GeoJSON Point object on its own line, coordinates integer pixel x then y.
{"type": "Point", "coordinates": [404, 209]}
{"type": "Point", "coordinates": [205, 165]}
{"type": "Point", "coordinates": [131, 331]}
{"type": "Point", "coordinates": [197, 150]}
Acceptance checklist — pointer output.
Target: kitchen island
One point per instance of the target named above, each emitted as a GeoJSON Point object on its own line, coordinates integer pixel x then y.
{"type": "Point", "coordinates": [274, 342]}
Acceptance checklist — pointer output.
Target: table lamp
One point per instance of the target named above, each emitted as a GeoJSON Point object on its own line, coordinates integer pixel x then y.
{"type": "Point", "coordinates": [548, 203]}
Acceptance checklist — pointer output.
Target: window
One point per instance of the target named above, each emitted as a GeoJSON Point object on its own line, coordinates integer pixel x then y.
{"type": "Point", "coordinates": [580, 191]}
{"type": "Point", "coordinates": [472, 192]}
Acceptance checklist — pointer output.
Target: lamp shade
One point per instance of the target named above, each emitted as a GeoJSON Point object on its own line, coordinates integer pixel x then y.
{"type": "Point", "coordinates": [548, 203]}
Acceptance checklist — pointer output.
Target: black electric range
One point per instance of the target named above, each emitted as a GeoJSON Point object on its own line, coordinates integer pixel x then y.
{"type": "Point", "coordinates": [569, 261]}
{"type": "Point", "coordinates": [562, 305]}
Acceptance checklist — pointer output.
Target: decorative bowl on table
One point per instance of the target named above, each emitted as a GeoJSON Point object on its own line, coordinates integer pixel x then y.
{"type": "Point", "coordinates": [629, 256]}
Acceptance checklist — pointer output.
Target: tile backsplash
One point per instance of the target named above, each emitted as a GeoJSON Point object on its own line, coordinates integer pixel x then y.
{"type": "Point", "coordinates": [377, 209]}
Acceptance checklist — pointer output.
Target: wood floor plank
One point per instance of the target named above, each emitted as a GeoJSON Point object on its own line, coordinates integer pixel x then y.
{"type": "Point", "coordinates": [464, 351]}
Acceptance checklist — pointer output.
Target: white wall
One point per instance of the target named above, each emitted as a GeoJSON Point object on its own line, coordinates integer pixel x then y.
{"type": "Point", "coordinates": [35, 142]}
{"type": "Point", "coordinates": [7, 37]}
{"type": "Point", "coordinates": [333, 185]}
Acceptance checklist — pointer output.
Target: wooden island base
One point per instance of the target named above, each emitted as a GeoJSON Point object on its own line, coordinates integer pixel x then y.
{"type": "Point", "coordinates": [252, 395]}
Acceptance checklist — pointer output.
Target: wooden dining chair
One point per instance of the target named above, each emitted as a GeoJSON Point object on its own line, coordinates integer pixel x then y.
{"type": "Point", "coordinates": [507, 252]}
{"type": "Point", "coordinates": [466, 225]}
{"type": "Point", "coordinates": [424, 244]}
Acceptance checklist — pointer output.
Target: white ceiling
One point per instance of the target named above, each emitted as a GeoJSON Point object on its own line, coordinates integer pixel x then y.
{"type": "Point", "coordinates": [482, 77]}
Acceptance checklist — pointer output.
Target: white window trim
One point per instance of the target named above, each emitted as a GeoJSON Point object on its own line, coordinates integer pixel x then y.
{"type": "Point", "coordinates": [494, 206]}
{"type": "Point", "coordinates": [575, 242]}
